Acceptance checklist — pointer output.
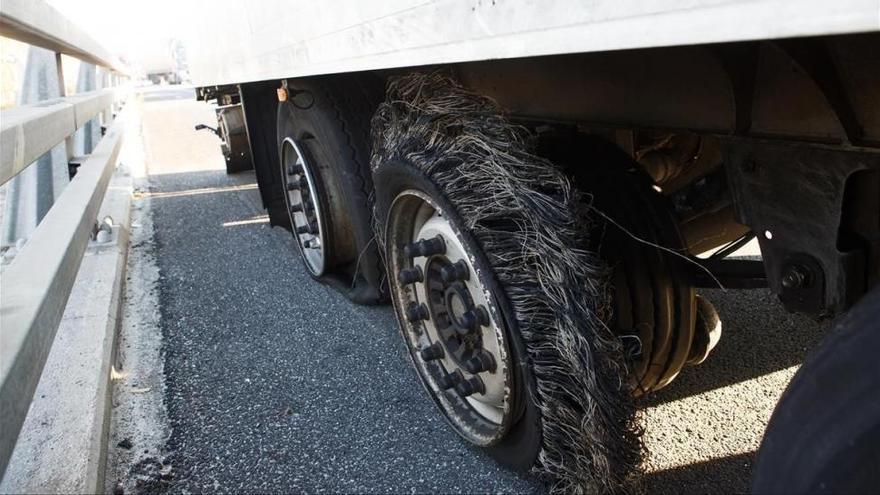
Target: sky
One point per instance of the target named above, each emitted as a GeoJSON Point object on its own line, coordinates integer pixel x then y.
{"type": "Point", "coordinates": [131, 28]}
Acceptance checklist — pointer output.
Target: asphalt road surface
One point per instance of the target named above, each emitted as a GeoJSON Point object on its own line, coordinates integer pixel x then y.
{"type": "Point", "coordinates": [273, 382]}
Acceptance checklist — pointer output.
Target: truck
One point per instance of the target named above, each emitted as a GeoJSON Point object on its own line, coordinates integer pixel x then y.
{"type": "Point", "coordinates": [542, 189]}
{"type": "Point", "coordinates": [163, 62]}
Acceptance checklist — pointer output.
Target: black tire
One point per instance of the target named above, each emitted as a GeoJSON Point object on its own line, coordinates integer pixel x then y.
{"type": "Point", "coordinates": [521, 444]}
{"type": "Point", "coordinates": [824, 435]}
{"type": "Point", "coordinates": [654, 300]}
{"type": "Point", "coordinates": [330, 118]}
{"type": "Point", "coordinates": [527, 231]}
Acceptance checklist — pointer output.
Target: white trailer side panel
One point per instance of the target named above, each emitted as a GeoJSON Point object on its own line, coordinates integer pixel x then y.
{"type": "Point", "coordinates": [268, 39]}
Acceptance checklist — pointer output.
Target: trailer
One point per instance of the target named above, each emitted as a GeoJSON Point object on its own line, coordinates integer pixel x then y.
{"type": "Point", "coordinates": [163, 62]}
{"type": "Point", "coordinates": [542, 189]}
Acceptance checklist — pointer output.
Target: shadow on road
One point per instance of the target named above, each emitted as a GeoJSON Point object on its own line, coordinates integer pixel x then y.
{"type": "Point", "coordinates": [759, 337]}
{"type": "Point", "coordinates": [724, 475]}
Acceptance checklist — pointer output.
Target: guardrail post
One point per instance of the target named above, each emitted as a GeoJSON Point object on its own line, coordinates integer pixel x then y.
{"type": "Point", "coordinates": [88, 135]}
{"type": "Point", "coordinates": [32, 193]}
{"type": "Point", "coordinates": [107, 114]}
{"type": "Point", "coordinates": [62, 90]}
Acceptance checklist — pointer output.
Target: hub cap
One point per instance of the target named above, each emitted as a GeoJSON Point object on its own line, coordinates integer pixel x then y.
{"type": "Point", "coordinates": [303, 205]}
{"type": "Point", "coordinates": [450, 319]}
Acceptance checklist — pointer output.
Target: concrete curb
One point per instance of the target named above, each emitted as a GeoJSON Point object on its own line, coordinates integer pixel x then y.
{"type": "Point", "coordinates": [62, 444]}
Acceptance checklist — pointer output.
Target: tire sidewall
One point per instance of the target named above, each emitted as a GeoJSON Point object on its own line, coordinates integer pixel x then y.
{"type": "Point", "coordinates": [347, 161]}
{"type": "Point", "coordinates": [331, 136]}
{"type": "Point", "coordinates": [521, 444]}
{"type": "Point", "coordinates": [314, 151]}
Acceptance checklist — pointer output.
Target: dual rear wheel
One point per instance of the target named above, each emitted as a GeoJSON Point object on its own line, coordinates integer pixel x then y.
{"type": "Point", "coordinates": [323, 136]}
{"type": "Point", "coordinates": [515, 326]}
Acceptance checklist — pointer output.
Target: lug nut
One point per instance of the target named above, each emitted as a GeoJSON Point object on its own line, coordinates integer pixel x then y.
{"type": "Point", "coordinates": [795, 277]}
{"type": "Point", "coordinates": [471, 386]}
{"type": "Point", "coordinates": [410, 275]}
{"type": "Point", "coordinates": [456, 271]}
{"type": "Point", "coordinates": [468, 323]}
{"type": "Point", "coordinates": [294, 169]}
{"type": "Point", "coordinates": [432, 352]}
{"type": "Point", "coordinates": [450, 380]}
{"type": "Point", "coordinates": [416, 312]}
{"type": "Point", "coordinates": [425, 247]}
{"type": "Point", "coordinates": [473, 319]}
{"type": "Point", "coordinates": [482, 361]}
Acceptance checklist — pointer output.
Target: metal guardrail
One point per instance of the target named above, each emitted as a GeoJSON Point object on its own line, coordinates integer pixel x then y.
{"type": "Point", "coordinates": [29, 131]}
{"type": "Point", "coordinates": [37, 23]}
{"type": "Point", "coordinates": [35, 287]}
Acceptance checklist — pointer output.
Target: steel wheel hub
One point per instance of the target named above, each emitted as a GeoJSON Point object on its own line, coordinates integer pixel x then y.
{"type": "Point", "coordinates": [304, 205]}
{"type": "Point", "coordinates": [450, 319]}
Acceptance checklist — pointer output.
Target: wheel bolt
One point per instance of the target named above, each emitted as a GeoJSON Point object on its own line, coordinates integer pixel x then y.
{"type": "Point", "coordinates": [416, 312]}
{"type": "Point", "coordinates": [468, 324]}
{"type": "Point", "coordinates": [410, 275]}
{"type": "Point", "coordinates": [482, 361]}
{"type": "Point", "coordinates": [471, 386]}
{"type": "Point", "coordinates": [456, 271]}
{"type": "Point", "coordinates": [473, 319]}
{"type": "Point", "coordinates": [450, 380]}
{"type": "Point", "coordinates": [795, 277]}
{"type": "Point", "coordinates": [425, 247]}
{"type": "Point", "coordinates": [432, 352]}
{"type": "Point", "coordinates": [294, 169]}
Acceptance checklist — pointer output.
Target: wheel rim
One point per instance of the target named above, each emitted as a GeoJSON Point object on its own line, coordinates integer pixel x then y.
{"type": "Point", "coordinates": [449, 318]}
{"type": "Point", "coordinates": [303, 200]}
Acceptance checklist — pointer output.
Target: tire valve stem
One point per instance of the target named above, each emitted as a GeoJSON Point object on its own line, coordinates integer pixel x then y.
{"type": "Point", "coordinates": [425, 247]}
{"type": "Point", "coordinates": [416, 312]}
{"type": "Point", "coordinates": [450, 380]}
{"type": "Point", "coordinates": [456, 271]}
{"type": "Point", "coordinates": [471, 386]}
{"type": "Point", "coordinates": [482, 361]}
{"type": "Point", "coordinates": [432, 352]}
{"type": "Point", "coordinates": [410, 275]}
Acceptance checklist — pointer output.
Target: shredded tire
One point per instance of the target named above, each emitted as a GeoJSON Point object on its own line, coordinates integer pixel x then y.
{"type": "Point", "coordinates": [533, 227]}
